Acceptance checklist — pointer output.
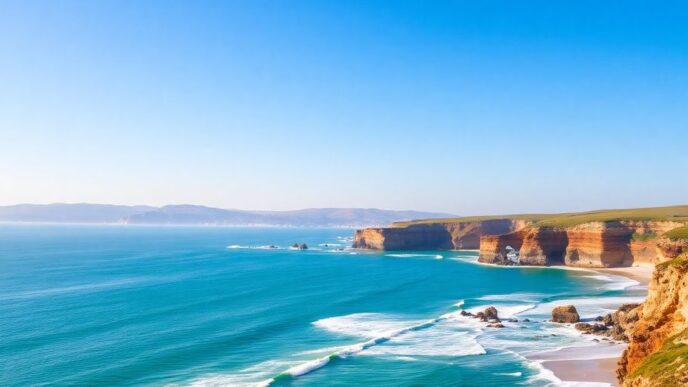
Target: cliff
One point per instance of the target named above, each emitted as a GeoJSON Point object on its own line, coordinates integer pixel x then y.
{"type": "Point", "coordinates": [591, 239]}
{"type": "Point", "coordinates": [595, 244]}
{"type": "Point", "coordinates": [657, 354]}
{"type": "Point", "coordinates": [434, 236]}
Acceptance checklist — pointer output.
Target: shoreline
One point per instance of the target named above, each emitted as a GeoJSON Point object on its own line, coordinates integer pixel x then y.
{"type": "Point", "coordinates": [600, 370]}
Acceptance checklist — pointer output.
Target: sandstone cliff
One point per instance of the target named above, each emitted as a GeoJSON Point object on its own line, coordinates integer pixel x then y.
{"type": "Point", "coordinates": [608, 238]}
{"type": "Point", "coordinates": [657, 354]}
{"type": "Point", "coordinates": [595, 244]}
{"type": "Point", "coordinates": [434, 236]}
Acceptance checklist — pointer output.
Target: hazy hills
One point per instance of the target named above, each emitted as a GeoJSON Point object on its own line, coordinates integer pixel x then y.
{"type": "Point", "coordinates": [186, 214]}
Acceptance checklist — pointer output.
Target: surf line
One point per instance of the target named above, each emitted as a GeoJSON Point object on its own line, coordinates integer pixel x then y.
{"type": "Point", "coordinates": [312, 365]}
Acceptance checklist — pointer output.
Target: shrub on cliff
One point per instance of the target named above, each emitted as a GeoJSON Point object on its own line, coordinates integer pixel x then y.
{"type": "Point", "coordinates": [666, 367]}
{"type": "Point", "coordinates": [677, 233]}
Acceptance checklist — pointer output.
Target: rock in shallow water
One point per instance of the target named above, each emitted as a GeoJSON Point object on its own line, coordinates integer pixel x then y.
{"type": "Point", "coordinates": [565, 314]}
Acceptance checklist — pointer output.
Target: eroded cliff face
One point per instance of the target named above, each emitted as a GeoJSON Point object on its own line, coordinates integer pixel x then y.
{"type": "Point", "coordinates": [543, 247]}
{"type": "Point", "coordinates": [462, 235]}
{"type": "Point", "coordinates": [493, 248]}
{"type": "Point", "coordinates": [595, 244]}
{"type": "Point", "coordinates": [669, 249]}
{"type": "Point", "coordinates": [657, 354]}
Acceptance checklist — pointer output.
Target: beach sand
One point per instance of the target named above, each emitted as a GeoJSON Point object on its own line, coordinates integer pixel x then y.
{"type": "Point", "coordinates": [595, 370]}
{"type": "Point", "coordinates": [598, 368]}
{"type": "Point", "coordinates": [642, 274]}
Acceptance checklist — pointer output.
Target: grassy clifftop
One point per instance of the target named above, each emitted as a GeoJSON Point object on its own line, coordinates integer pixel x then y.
{"type": "Point", "coordinates": [530, 217]}
{"type": "Point", "coordinates": [667, 366]}
{"type": "Point", "coordinates": [678, 233]}
{"type": "Point", "coordinates": [675, 213]}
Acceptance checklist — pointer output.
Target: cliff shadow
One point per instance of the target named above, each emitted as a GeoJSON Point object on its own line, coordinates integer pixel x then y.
{"type": "Point", "coordinates": [616, 245]}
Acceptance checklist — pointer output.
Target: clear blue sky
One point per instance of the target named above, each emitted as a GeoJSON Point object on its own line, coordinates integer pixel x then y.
{"type": "Point", "coordinates": [467, 106]}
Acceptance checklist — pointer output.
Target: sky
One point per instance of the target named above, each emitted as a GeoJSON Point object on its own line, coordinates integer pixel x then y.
{"type": "Point", "coordinates": [467, 107]}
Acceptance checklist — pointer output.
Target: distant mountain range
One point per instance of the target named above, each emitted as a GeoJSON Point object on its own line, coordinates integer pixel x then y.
{"type": "Point", "coordinates": [186, 214]}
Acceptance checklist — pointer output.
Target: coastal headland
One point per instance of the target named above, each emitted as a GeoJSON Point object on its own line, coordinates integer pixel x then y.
{"type": "Point", "coordinates": [647, 244]}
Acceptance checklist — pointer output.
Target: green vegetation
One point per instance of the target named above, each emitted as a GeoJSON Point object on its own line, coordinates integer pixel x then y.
{"type": "Point", "coordinates": [644, 236]}
{"type": "Point", "coordinates": [530, 217]}
{"type": "Point", "coordinates": [675, 213]}
{"type": "Point", "coordinates": [667, 366]}
{"type": "Point", "coordinates": [678, 233]}
{"type": "Point", "coordinates": [681, 262]}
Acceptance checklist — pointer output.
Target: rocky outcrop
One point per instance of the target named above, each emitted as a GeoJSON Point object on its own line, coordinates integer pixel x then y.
{"type": "Point", "coordinates": [594, 244]}
{"type": "Point", "coordinates": [657, 353]}
{"type": "Point", "coordinates": [493, 248]}
{"type": "Point", "coordinates": [599, 245]}
{"type": "Point", "coordinates": [565, 314]}
{"type": "Point", "coordinates": [434, 236]}
{"type": "Point", "coordinates": [595, 239]}
{"type": "Point", "coordinates": [621, 322]}
{"type": "Point", "coordinates": [543, 246]}
{"type": "Point", "coordinates": [670, 249]}
{"type": "Point", "coordinates": [614, 325]}
{"type": "Point", "coordinates": [416, 237]}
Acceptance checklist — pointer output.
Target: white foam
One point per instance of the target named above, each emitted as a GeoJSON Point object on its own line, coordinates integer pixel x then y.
{"type": "Point", "coordinates": [505, 310]}
{"type": "Point", "coordinates": [589, 307]}
{"type": "Point", "coordinates": [391, 335]}
{"type": "Point", "coordinates": [613, 282]}
{"type": "Point", "coordinates": [516, 374]}
{"type": "Point", "coordinates": [436, 256]}
{"type": "Point", "coordinates": [258, 375]}
{"type": "Point", "coordinates": [518, 296]}
{"type": "Point", "coordinates": [304, 368]}
{"type": "Point", "coordinates": [364, 324]}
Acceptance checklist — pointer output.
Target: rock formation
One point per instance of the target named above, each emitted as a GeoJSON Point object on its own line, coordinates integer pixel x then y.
{"type": "Point", "coordinates": [657, 353]}
{"type": "Point", "coordinates": [607, 243]}
{"type": "Point", "coordinates": [565, 314]}
{"type": "Point", "coordinates": [434, 236]}
{"type": "Point", "coordinates": [595, 244]}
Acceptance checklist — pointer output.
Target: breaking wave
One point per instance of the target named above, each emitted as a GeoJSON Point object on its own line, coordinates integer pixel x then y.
{"type": "Point", "coordinates": [436, 256]}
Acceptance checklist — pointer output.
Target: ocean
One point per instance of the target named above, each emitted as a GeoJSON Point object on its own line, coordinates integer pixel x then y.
{"type": "Point", "coordinates": [213, 306]}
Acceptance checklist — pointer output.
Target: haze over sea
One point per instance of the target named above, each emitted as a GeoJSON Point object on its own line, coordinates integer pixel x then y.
{"type": "Point", "coordinates": [127, 305]}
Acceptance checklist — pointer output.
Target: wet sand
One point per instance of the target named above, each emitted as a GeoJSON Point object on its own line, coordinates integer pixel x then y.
{"type": "Point", "coordinates": [642, 274]}
{"type": "Point", "coordinates": [599, 367]}
{"type": "Point", "coordinates": [594, 370]}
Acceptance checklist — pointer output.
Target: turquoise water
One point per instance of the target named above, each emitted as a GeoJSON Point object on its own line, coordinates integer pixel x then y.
{"type": "Point", "coordinates": [208, 306]}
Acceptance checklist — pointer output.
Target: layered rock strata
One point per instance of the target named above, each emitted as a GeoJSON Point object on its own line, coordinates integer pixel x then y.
{"type": "Point", "coordinates": [657, 353]}
{"type": "Point", "coordinates": [435, 236]}
{"type": "Point", "coordinates": [595, 244]}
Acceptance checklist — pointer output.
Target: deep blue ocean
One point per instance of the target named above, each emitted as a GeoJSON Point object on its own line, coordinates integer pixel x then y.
{"type": "Point", "coordinates": [211, 306]}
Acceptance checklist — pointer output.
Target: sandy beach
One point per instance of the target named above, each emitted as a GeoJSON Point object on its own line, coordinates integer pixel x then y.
{"type": "Point", "coordinates": [599, 364]}
{"type": "Point", "coordinates": [595, 370]}
{"type": "Point", "coordinates": [642, 273]}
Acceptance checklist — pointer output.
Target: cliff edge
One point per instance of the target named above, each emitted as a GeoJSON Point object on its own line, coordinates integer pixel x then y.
{"type": "Point", "coordinates": [657, 354]}
{"type": "Point", "coordinates": [608, 238]}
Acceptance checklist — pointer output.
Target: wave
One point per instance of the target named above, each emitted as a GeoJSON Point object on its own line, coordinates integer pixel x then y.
{"type": "Point", "coordinates": [516, 296]}
{"type": "Point", "coordinates": [410, 338]}
{"type": "Point", "coordinates": [516, 374]}
{"type": "Point", "coordinates": [588, 307]}
{"type": "Point", "coordinates": [613, 282]}
{"type": "Point", "coordinates": [436, 256]}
